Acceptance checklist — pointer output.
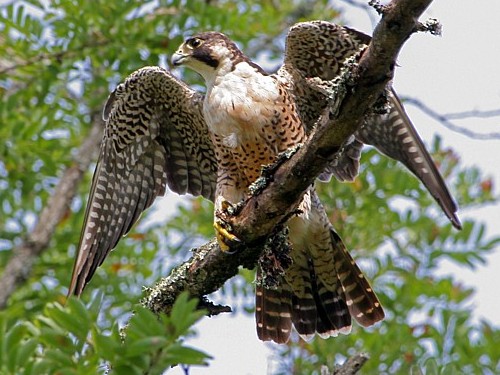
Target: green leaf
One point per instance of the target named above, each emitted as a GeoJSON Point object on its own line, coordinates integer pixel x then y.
{"type": "Point", "coordinates": [178, 353]}
{"type": "Point", "coordinates": [41, 367]}
{"type": "Point", "coordinates": [431, 367]}
{"type": "Point", "coordinates": [13, 344]}
{"type": "Point", "coordinates": [184, 314]}
{"type": "Point", "coordinates": [53, 338]}
{"type": "Point", "coordinates": [26, 352]}
{"type": "Point", "coordinates": [145, 345]}
{"type": "Point", "coordinates": [144, 323]}
{"type": "Point", "coordinates": [76, 308]}
{"type": "Point", "coordinates": [69, 319]}
{"type": "Point", "coordinates": [14, 335]}
{"type": "Point", "coordinates": [415, 370]}
{"type": "Point", "coordinates": [106, 345]}
{"type": "Point", "coordinates": [58, 357]}
{"type": "Point", "coordinates": [124, 369]}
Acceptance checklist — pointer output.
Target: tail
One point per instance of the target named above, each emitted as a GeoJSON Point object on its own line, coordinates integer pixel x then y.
{"type": "Point", "coordinates": [320, 292]}
{"type": "Point", "coordinates": [394, 135]}
{"type": "Point", "coordinates": [273, 312]}
{"type": "Point", "coordinates": [363, 303]}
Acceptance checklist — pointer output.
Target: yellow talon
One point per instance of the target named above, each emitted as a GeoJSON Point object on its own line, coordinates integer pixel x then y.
{"type": "Point", "coordinates": [222, 229]}
{"type": "Point", "coordinates": [224, 237]}
{"type": "Point", "coordinates": [224, 205]}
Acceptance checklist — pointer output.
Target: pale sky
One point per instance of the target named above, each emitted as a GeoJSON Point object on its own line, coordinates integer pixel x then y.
{"type": "Point", "coordinates": [456, 72]}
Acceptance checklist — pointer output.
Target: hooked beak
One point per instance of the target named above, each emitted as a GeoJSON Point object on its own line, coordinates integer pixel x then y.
{"type": "Point", "coordinates": [179, 58]}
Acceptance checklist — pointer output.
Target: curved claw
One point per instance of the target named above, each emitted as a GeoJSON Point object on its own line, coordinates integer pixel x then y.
{"type": "Point", "coordinates": [224, 237]}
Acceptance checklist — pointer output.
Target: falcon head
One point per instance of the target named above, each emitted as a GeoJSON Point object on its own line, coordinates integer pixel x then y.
{"type": "Point", "coordinates": [209, 54]}
{"type": "Point", "coordinates": [206, 52]}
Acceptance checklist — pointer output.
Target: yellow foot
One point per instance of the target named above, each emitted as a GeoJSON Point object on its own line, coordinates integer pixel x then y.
{"type": "Point", "coordinates": [222, 229]}
{"type": "Point", "coordinates": [224, 237]}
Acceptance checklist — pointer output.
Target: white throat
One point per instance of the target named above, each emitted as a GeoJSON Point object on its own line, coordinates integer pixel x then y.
{"type": "Point", "coordinates": [214, 76]}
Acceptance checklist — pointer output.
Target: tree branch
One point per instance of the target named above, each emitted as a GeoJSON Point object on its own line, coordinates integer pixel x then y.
{"type": "Point", "coordinates": [259, 215]}
{"type": "Point", "coordinates": [24, 256]}
{"type": "Point", "coordinates": [351, 366]}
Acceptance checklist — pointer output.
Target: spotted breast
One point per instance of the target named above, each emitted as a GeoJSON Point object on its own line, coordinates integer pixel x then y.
{"type": "Point", "coordinates": [252, 117]}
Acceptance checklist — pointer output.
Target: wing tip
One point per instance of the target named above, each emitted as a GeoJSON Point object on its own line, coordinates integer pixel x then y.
{"type": "Point", "coordinates": [448, 206]}
{"type": "Point", "coordinates": [109, 105]}
{"type": "Point", "coordinates": [76, 286]}
{"type": "Point", "coordinates": [455, 220]}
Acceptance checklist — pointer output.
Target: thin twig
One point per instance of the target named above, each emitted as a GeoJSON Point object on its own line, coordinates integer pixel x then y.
{"type": "Point", "coordinates": [444, 119]}
{"type": "Point", "coordinates": [349, 367]}
{"type": "Point", "coordinates": [472, 114]}
{"type": "Point", "coordinates": [352, 365]}
{"type": "Point", "coordinates": [51, 56]}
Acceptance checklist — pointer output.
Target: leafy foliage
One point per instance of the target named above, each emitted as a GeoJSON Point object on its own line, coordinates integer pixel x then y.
{"type": "Point", "coordinates": [69, 340]}
{"type": "Point", "coordinates": [58, 61]}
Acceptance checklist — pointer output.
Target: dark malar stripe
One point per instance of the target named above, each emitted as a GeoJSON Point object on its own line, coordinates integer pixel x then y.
{"type": "Point", "coordinates": [206, 58]}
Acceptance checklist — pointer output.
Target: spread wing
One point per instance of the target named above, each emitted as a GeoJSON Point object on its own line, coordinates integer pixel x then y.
{"type": "Point", "coordinates": [318, 49]}
{"type": "Point", "coordinates": [394, 135]}
{"type": "Point", "coordinates": [155, 136]}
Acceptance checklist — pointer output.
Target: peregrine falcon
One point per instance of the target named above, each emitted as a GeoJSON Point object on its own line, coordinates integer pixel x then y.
{"type": "Point", "coordinates": [160, 132]}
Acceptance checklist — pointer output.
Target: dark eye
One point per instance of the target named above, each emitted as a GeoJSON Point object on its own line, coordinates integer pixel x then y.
{"type": "Point", "coordinates": [194, 42]}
